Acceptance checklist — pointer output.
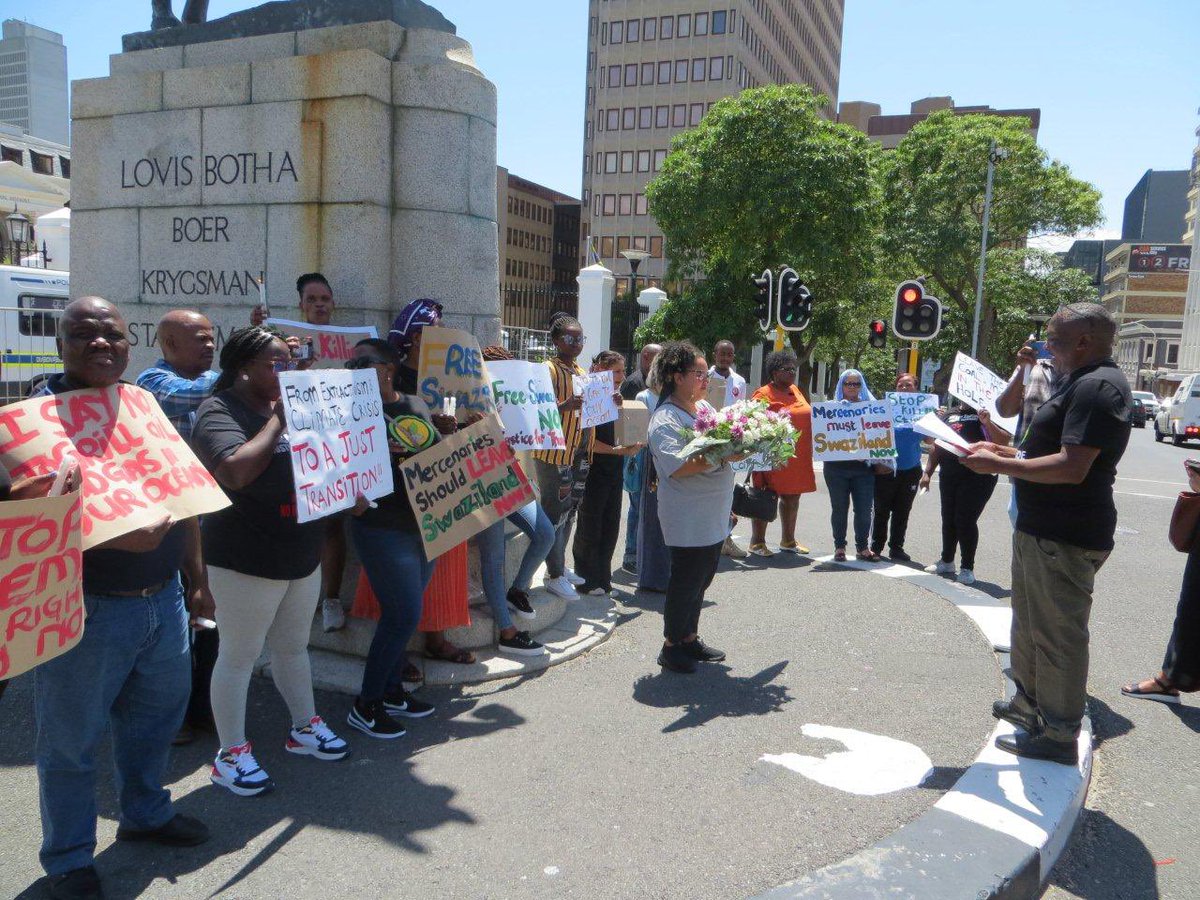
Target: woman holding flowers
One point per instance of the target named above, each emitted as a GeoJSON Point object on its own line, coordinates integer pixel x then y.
{"type": "Point", "coordinates": [782, 396]}
{"type": "Point", "coordinates": [852, 480]}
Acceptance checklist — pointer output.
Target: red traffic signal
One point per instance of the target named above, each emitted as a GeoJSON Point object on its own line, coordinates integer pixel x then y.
{"type": "Point", "coordinates": [877, 337]}
{"type": "Point", "coordinates": [916, 316]}
{"type": "Point", "coordinates": [910, 295]}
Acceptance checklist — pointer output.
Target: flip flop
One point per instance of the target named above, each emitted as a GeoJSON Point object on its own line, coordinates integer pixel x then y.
{"type": "Point", "coordinates": [1160, 696]}
{"type": "Point", "coordinates": [447, 652]}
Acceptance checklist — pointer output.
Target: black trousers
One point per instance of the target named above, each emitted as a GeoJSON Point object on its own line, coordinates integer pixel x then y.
{"type": "Point", "coordinates": [692, 571]}
{"type": "Point", "coordinates": [597, 528]}
{"type": "Point", "coordinates": [894, 495]}
{"type": "Point", "coordinates": [964, 495]}
{"type": "Point", "coordinates": [1182, 662]}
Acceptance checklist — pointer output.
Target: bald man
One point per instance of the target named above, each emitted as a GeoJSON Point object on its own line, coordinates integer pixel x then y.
{"type": "Point", "coordinates": [183, 378]}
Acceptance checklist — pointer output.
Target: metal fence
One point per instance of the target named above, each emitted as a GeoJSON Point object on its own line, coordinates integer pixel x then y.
{"type": "Point", "coordinates": [527, 343]}
{"type": "Point", "coordinates": [530, 307]}
{"type": "Point", "coordinates": [31, 254]}
{"type": "Point", "coordinates": [27, 350]}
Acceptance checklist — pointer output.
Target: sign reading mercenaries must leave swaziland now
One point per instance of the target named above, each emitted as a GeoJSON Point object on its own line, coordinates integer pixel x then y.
{"type": "Point", "coordinates": [338, 438]}
{"type": "Point", "coordinates": [451, 365]}
{"type": "Point", "coordinates": [525, 399]}
{"type": "Point", "coordinates": [844, 431]}
{"type": "Point", "coordinates": [463, 484]}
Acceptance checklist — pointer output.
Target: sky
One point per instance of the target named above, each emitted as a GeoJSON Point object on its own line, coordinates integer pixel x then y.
{"type": "Point", "coordinates": [1118, 83]}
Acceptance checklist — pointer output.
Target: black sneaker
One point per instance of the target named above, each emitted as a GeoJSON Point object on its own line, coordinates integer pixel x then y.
{"type": "Point", "coordinates": [898, 554]}
{"type": "Point", "coordinates": [401, 703]}
{"type": "Point", "coordinates": [1039, 746]}
{"type": "Point", "coordinates": [587, 589]}
{"type": "Point", "coordinates": [373, 719]}
{"type": "Point", "coordinates": [520, 644]}
{"type": "Point", "coordinates": [518, 602]}
{"type": "Point", "coordinates": [701, 652]}
{"type": "Point", "coordinates": [677, 659]}
{"type": "Point", "coordinates": [179, 831]}
{"type": "Point", "coordinates": [78, 884]}
{"type": "Point", "coordinates": [1004, 709]}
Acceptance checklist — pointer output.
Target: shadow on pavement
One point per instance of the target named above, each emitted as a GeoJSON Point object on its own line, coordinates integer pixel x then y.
{"type": "Point", "coordinates": [711, 694]}
{"type": "Point", "coordinates": [1188, 715]}
{"type": "Point", "coordinates": [1122, 870]}
{"type": "Point", "coordinates": [942, 778]}
{"type": "Point", "coordinates": [1107, 723]}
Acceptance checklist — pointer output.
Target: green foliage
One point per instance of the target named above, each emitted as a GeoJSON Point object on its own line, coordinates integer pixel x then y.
{"type": "Point", "coordinates": [719, 307]}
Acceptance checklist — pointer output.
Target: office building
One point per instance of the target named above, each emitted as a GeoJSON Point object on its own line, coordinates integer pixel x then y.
{"type": "Point", "coordinates": [654, 67]}
{"type": "Point", "coordinates": [1156, 208]}
{"type": "Point", "coordinates": [1144, 287]}
{"type": "Point", "coordinates": [1088, 255]}
{"type": "Point", "coordinates": [1189, 355]}
{"type": "Point", "coordinates": [33, 81]}
{"type": "Point", "coordinates": [890, 130]}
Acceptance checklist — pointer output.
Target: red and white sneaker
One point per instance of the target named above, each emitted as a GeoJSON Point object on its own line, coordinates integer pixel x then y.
{"type": "Point", "coordinates": [236, 770]}
{"type": "Point", "coordinates": [317, 739]}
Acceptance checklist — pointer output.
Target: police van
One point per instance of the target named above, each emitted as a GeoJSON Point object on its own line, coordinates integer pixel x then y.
{"type": "Point", "coordinates": [31, 303]}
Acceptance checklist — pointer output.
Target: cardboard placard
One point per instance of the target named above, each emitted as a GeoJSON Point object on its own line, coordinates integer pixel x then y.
{"type": "Point", "coordinates": [597, 391]}
{"type": "Point", "coordinates": [332, 344]}
{"type": "Point", "coordinates": [633, 424]}
{"type": "Point", "coordinates": [844, 431]}
{"type": "Point", "coordinates": [524, 395]}
{"type": "Point", "coordinates": [978, 386]}
{"type": "Point", "coordinates": [907, 408]}
{"type": "Point", "coordinates": [463, 484]}
{"type": "Point", "coordinates": [451, 365]}
{"type": "Point", "coordinates": [41, 580]}
{"type": "Point", "coordinates": [338, 435]}
{"type": "Point", "coordinates": [715, 393]}
{"type": "Point", "coordinates": [134, 465]}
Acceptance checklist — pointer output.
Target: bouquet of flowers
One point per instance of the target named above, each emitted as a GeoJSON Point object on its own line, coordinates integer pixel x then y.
{"type": "Point", "coordinates": [745, 428]}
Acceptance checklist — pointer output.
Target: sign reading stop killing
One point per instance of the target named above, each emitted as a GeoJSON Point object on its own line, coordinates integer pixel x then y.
{"type": "Point", "coordinates": [338, 437]}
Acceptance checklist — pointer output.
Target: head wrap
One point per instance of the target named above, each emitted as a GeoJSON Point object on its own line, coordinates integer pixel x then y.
{"type": "Point", "coordinates": [416, 315]}
{"type": "Point", "coordinates": [864, 392]}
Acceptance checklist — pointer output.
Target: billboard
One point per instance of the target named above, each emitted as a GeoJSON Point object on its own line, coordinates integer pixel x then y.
{"type": "Point", "coordinates": [1160, 257]}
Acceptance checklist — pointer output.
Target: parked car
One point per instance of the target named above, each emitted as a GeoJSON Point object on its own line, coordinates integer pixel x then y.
{"type": "Point", "coordinates": [1149, 401]}
{"type": "Point", "coordinates": [1179, 416]}
{"type": "Point", "coordinates": [1138, 413]}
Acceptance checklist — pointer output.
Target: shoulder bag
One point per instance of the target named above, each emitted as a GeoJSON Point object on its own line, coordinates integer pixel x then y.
{"type": "Point", "coordinates": [1184, 519]}
{"type": "Point", "coordinates": [750, 502]}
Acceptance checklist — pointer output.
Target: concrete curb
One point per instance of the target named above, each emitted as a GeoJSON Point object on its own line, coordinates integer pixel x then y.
{"type": "Point", "coordinates": [997, 833]}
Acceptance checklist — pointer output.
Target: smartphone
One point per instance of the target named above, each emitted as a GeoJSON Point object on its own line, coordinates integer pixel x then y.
{"type": "Point", "coordinates": [1040, 348]}
{"type": "Point", "coordinates": [304, 351]}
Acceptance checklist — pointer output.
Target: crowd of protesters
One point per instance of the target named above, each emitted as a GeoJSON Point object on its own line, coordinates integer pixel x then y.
{"type": "Point", "coordinates": [262, 575]}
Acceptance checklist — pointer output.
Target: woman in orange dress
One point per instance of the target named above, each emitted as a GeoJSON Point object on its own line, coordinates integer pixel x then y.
{"type": "Point", "coordinates": [796, 478]}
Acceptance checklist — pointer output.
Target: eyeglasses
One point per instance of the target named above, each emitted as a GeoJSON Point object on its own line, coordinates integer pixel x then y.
{"type": "Point", "coordinates": [851, 384]}
{"type": "Point", "coordinates": [281, 365]}
{"type": "Point", "coordinates": [702, 374]}
{"type": "Point", "coordinates": [363, 362]}
{"type": "Point", "coordinates": [786, 369]}
{"type": "Point", "coordinates": [572, 341]}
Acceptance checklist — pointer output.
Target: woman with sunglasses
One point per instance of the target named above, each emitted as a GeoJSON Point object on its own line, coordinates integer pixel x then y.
{"type": "Point", "coordinates": [852, 480]}
{"type": "Point", "coordinates": [694, 501]}
{"type": "Point", "coordinates": [264, 567]}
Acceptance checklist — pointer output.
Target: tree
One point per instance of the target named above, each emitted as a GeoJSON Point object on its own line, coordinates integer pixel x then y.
{"type": "Point", "coordinates": [765, 181]}
{"type": "Point", "coordinates": [933, 192]}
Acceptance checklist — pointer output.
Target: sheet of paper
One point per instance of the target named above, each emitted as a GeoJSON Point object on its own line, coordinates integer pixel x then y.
{"type": "Point", "coordinates": [931, 426]}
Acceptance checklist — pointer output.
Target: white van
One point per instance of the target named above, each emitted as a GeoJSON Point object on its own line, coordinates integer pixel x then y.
{"type": "Point", "coordinates": [1179, 416]}
{"type": "Point", "coordinates": [31, 303]}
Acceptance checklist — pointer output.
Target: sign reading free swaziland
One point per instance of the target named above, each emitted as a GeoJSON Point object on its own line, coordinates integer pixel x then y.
{"type": "Point", "coordinates": [525, 399]}
{"type": "Point", "coordinates": [135, 468]}
{"type": "Point", "coordinates": [338, 437]}
{"type": "Point", "coordinates": [853, 431]}
{"type": "Point", "coordinates": [41, 580]}
{"type": "Point", "coordinates": [451, 365]}
{"type": "Point", "coordinates": [907, 408]}
{"type": "Point", "coordinates": [463, 484]}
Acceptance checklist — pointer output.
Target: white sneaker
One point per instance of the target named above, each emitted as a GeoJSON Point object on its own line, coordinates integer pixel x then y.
{"type": "Point", "coordinates": [940, 568]}
{"type": "Point", "coordinates": [333, 617]}
{"type": "Point", "coordinates": [560, 587]}
{"type": "Point", "coordinates": [732, 550]}
{"type": "Point", "coordinates": [966, 576]}
{"type": "Point", "coordinates": [236, 770]}
{"type": "Point", "coordinates": [317, 739]}
{"type": "Point", "coordinates": [571, 577]}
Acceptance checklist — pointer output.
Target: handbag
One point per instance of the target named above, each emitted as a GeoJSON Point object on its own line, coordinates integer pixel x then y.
{"type": "Point", "coordinates": [750, 502]}
{"type": "Point", "coordinates": [1184, 519]}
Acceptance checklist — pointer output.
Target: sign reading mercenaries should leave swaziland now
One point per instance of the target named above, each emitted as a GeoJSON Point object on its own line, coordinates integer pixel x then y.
{"type": "Point", "coordinates": [844, 431]}
{"type": "Point", "coordinates": [338, 438]}
{"type": "Point", "coordinates": [463, 484]}
{"type": "Point", "coordinates": [451, 365]}
{"type": "Point", "coordinates": [134, 466]}
{"type": "Point", "coordinates": [525, 399]}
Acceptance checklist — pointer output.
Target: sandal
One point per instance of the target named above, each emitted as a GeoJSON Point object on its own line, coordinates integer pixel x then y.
{"type": "Point", "coordinates": [867, 555]}
{"type": "Point", "coordinates": [447, 652]}
{"type": "Point", "coordinates": [1165, 693]}
{"type": "Point", "coordinates": [760, 550]}
{"type": "Point", "coordinates": [792, 547]}
{"type": "Point", "coordinates": [411, 673]}
{"type": "Point", "coordinates": [839, 555]}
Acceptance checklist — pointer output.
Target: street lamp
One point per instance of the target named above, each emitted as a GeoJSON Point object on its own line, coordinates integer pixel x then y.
{"type": "Point", "coordinates": [17, 227]}
{"type": "Point", "coordinates": [636, 258]}
{"type": "Point", "coordinates": [995, 154]}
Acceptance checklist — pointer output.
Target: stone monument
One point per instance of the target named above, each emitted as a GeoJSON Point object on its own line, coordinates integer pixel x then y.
{"type": "Point", "coordinates": [356, 138]}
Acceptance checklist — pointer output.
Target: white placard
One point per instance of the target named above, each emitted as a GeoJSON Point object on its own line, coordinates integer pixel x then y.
{"type": "Point", "coordinates": [597, 391]}
{"type": "Point", "coordinates": [524, 395]}
{"type": "Point", "coordinates": [843, 431]}
{"type": "Point", "coordinates": [338, 436]}
{"type": "Point", "coordinates": [909, 407]}
{"type": "Point", "coordinates": [978, 386]}
{"type": "Point", "coordinates": [943, 435]}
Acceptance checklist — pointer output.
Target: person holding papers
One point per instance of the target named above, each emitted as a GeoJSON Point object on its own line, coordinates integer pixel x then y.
{"type": "Point", "coordinates": [852, 480]}
{"type": "Point", "coordinates": [896, 489]}
{"type": "Point", "coordinates": [964, 493]}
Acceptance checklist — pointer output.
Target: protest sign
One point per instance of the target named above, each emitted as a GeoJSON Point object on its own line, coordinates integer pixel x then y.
{"type": "Point", "coordinates": [978, 386]}
{"type": "Point", "coordinates": [633, 424]}
{"type": "Point", "coordinates": [331, 345]}
{"type": "Point", "coordinates": [715, 393]}
{"type": "Point", "coordinates": [41, 580]}
{"type": "Point", "coordinates": [451, 365]}
{"type": "Point", "coordinates": [853, 431]}
{"type": "Point", "coordinates": [524, 396]}
{"type": "Point", "coordinates": [336, 428]}
{"type": "Point", "coordinates": [943, 435]}
{"type": "Point", "coordinates": [135, 467]}
{"type": "Point", "coordinates": [463, 484]}
{"type": "Point", "coordinates": [908, 408]}
{"type": "Point", "coordinates": [597, 391]}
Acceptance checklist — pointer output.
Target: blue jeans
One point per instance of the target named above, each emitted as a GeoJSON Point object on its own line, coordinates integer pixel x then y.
{"type": "Point", "coordinates": [846, 481]}
{"type": "Point", "coordinates": [532, 520]}
{"type": "Point", "coordinates": [631, 526]}
{"type": "Point", "coordinates": [130, 669]}
{"type": "Point", "coordinates": [399, 573]}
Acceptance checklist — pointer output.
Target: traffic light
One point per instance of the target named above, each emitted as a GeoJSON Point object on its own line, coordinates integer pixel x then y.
{"type": "Point", "coordinates": [917, 317]}
{"type": "Point", "coordinates": [795, 302]}
{"type": "Point", "coordinates": [763, 285]}
{"type": "Point", "coordinates": [878, 336]}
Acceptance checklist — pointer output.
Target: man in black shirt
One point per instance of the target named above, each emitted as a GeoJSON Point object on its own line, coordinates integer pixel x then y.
{"type": "Point", "coordinates": [1063, 473]}
{"type": "Point", "coordinates": [636, 383]}
{"type": "Point", "coordinates": [130, 669]}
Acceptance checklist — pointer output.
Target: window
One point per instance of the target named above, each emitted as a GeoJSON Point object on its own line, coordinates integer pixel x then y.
{"type": "Point", "coordinates": [656, 244]}
{"type": "Point", "coordinates": [662, 116]}
{"type": "Point", "coordinates": [606, 247]}
{"type": "Point", "coordinates": [12, 154]}
{"type": "Point", "coordinates": [696, 114]}
{"type": "Point", "coordinates": [596, 205]}
{"type": "Point", "coordinates": [649, 29]}
{"type": "Point", "coordinates": [631, 75]}
{"type": "Point", "coordinates": [718, 22]}
{"type": "Point", "coordinates": [591, 96]}
{"type": "Point", "coordinates": [666, 27]}
{"type": "Point", "coordinates": [614, 76]}
{"type": "Point", "coordinates": [684, 27]}
{"type": "Point", "coordinates": [587, 130]}
{"type": "Point", "coordinates": [627, 161]}
{"type": "Point", "coordinates": [628, 118]}
{"type": "Point", "coordinates": [633, 30]}
{"type": "Point", "coordinates": [681, 71]}
{"type": "Point", "coordinates": [587, 164]}
{"type": "Point", "coordinates": [701, 24]}
{"type": "Point", "coordinates": [648, 73]}
{"type": "Point", "coordinates": [716, 68]}
{"type": "Point", "coordinates": [659, 157]}
{"type": "Point", "coordinates": [508, 236]}
{"type": "Point", "coordinates": [610, 163]}
{"type": "Point", "coordinates": [646, 117]}
{"type": "Point", "coordinates": [678, 116]}
{"type": "Point", "coordinates": [639, 242]}
{"type": "Point", "coordinates": [729, 66]}
{"type": "Point", "coordinates": [664, 72]}
{"type": "Point", "coordinates": [610, 204]}
{"type": "Point", "coordinates": [1172, 354]}
{"type": "Point", "coordinates": [639, 206]}
{"type": "Point", "coordinates": [699, 66]}
{"type": "Point", "coordinates": [643, 161]}
{"type": "Point", "coordinates": [42, 163]}
{"type": "Point", "coordinates": [616, 31]}
{"type": "Point", "coordinates": [622, 244]}
{"type": "Point", "coordinates": [39, 324]}
{"type": "Point", "coordinates": [613, 121]}
{"type": "Point", "coordinates": [599, 163]}
{"type": "Point", "coordinates": [626, 206]}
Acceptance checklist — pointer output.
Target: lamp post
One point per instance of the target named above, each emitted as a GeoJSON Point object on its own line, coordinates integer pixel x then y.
{"type": "Point", "coordinates": [19, 231]}
{"type": "Point", "coordinates": [636, 258]}
{"type": "Point", "coordinates": [995, 154]}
